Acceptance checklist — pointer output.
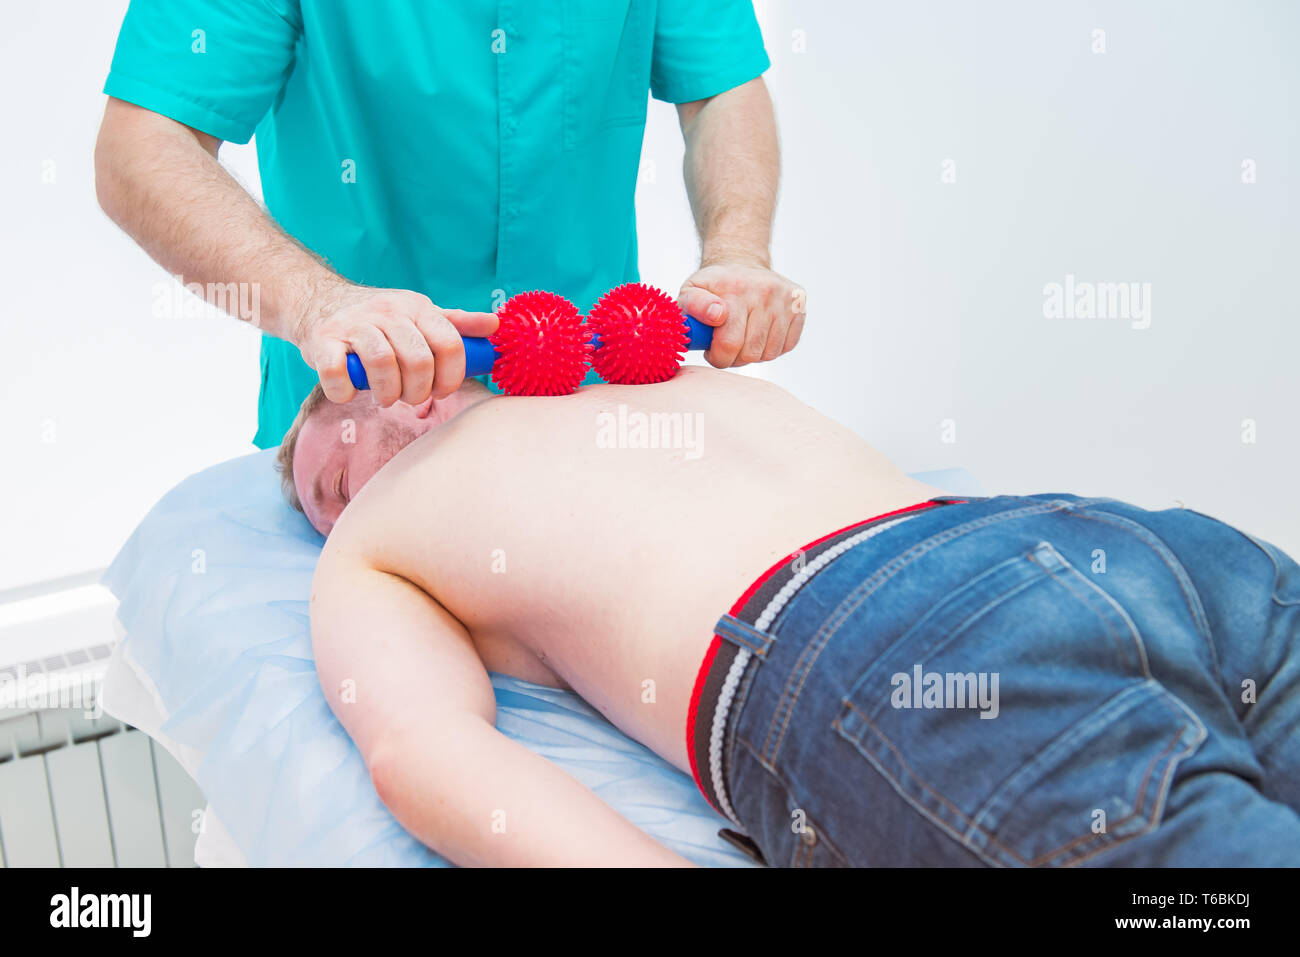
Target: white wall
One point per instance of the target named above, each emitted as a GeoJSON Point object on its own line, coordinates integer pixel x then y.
{"type": "Point", "coordinates": [105, 406]}
{"type": "Point", "coordinates": [925, 297]}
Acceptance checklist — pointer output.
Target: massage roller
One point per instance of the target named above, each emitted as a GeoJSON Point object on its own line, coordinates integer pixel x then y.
{"type": "Point", "coordinates": [539, 348]}
{"type": "Point", "coordinates": [639, 335]}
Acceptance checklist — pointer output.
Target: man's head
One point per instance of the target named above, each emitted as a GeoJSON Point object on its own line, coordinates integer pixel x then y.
{"type": "Point", "coordinates": [331, 450]}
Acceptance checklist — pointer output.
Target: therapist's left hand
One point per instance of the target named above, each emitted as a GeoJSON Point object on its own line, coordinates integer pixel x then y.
{"type": "Point", "coordinates": [757, 314]}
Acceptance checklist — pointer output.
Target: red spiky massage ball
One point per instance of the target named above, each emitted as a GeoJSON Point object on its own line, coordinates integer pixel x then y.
{"type": "Point", "coordinates": [542, 346]}
{"type": "Point", "coordinates": [642, 335]}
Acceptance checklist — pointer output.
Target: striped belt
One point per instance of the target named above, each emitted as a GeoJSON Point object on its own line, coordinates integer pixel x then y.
{"type": "Point", "coordinates": [741, 635]}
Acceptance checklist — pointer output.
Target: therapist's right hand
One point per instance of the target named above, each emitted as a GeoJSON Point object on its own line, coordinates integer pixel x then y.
{"type": "Point", "coordinates": [410, 348]}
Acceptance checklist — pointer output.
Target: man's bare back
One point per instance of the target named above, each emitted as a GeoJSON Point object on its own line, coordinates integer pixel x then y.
{"type": "Point", "coordinates": [542, 538]}
{"type": "Point", "coordinates": [575, 556]}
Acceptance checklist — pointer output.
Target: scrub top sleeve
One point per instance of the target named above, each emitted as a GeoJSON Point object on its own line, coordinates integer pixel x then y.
{"type": "Point", "coordinates": [703, 48]}
{"type": "Point", "coordinates": [214, 65]}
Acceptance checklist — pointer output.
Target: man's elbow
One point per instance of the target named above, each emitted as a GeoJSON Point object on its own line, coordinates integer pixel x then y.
{"type": "Point", "coordinates": [108, 188]}
{"type": "Point", "coordinates": [130, 137]}
{"type": "Point", "coordinates": [398, 759]}
{"type": "Point", "coordinates": [389, 762]}
{"type": "Point", "coordinates": [387, 767]}
{"type": "Point", "coordinates": [421, 780]}
{"type": "Point", "coordinates": [120, 137]}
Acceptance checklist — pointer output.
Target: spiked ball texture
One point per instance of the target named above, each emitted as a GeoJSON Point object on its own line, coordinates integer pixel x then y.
{"type": "Point", "coordinates": [642, 335]}
{"type": "Point", "coordinates": [542, 345]}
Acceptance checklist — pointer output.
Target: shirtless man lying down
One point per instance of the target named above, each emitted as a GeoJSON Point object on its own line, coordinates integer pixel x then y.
{"type": "Point", "coordinates": [856, 670]}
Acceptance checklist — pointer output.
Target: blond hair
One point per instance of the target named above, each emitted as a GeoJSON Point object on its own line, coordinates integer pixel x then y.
{"type": "Point", "coordinates": [284, 457]}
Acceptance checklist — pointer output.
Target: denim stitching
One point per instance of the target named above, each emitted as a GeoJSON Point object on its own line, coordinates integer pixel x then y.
{"type": "Point", "coordinates": [1182, 712]}
{"type": "Point", "coordinates": [898, 786]}
{"type": "Point", "coordinates": [808, 656]}
{"type": "Point", "coordinates": [1134, 639]}
{"type": "Point", "coordinates": [789, 790]}
{"type": "Point", "coordinates": [1277, 571]}
{"type": "Point", "coordinates": [953, 633]}
{"type": "Point", "coordinates": [1170, 767]}
{"type": "Point", "coordinates": [1166, 554]}
{"type": "Point", "coordinates": [1268, 551]}
{"type": "Point", "coordinates": [748, 746]}
{"type": "Point", "coordinates": [1106, 840]}
{"type": "Point", "coordinates": [737, 708]}
{"type": "Point", "coordinates": [1191, 598]}
{"type": "Point", "coordinates": [1064, 850]}
{"type": "Point", "coordinates": [1068, 741]}
{"type": "Point", "coordinates": [1112, 713]}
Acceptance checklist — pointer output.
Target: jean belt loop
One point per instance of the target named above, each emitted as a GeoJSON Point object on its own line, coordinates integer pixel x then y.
{"type": "Point", "coordinates": [743, 635]}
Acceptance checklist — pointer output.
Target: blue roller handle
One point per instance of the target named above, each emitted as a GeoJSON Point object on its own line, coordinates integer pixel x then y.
{"type": "Point", "coordinates": [481, 356]}
{"type": "Point", "coordinates": [699, 336]}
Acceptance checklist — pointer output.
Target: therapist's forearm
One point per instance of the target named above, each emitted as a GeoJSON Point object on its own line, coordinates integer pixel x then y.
{"type": "Point", "coordinates": [732, 166]}
{"type": "Point", "coordinates": [161, 182]}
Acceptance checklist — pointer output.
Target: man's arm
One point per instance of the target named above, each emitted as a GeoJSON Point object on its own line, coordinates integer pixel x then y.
{"type": "Point", "coordinates": [732, 166]}
{"type": "Point", "coordinates": [406, 682]}
{"type": "Point", "coordinates": [161, 182]}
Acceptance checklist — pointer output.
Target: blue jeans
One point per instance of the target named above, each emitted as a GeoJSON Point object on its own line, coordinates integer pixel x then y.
{"type": "Point", "coordinates": [1029, 681]}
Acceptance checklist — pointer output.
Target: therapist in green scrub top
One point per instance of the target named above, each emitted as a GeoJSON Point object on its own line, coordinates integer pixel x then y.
{"type": "Point", "coordinates": [423, 161]}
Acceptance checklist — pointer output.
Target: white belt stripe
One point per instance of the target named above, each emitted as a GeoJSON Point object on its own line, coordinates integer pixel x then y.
{"type": "Point", "coordinates": [728, 691]}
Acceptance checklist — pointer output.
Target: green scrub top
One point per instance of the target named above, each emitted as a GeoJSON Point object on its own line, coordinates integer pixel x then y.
{"type": "Point", "coordinates": [467, 149]}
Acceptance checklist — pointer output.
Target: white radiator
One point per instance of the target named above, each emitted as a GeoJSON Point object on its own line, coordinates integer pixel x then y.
{"type": "Point", "coordinates": [78, 790]}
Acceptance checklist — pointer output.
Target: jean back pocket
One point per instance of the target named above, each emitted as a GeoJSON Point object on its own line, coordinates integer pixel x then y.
{"type": "Point", "coordinates": [1019, 715]}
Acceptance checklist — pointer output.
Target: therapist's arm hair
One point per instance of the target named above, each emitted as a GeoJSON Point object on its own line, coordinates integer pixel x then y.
{"type": "Point", "coordinates": [162, 183]}
{"type": "Point", "coordinates": [405, 680]}
{"type": "Point", "coordinates": [732, 167]}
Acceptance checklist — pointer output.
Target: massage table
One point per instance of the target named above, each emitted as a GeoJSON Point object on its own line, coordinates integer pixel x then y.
{"type": "Point", "coordinates": [214, 661]}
